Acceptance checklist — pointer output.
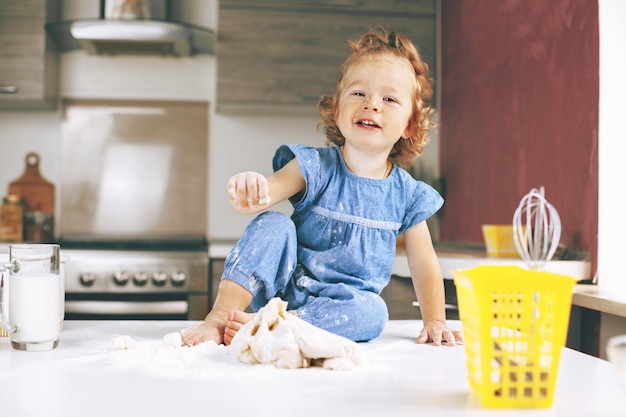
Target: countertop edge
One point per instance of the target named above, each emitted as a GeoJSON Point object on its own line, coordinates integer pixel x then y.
{"type": "Point", "coordinates": [592, 297]}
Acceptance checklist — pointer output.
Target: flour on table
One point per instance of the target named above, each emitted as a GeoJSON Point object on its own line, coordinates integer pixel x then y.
{"type": "Point", "coordinates": [169, 358]}
{"type": "Point", "coordinates": [125, 342]}
{"type": "Point", "coordinates": [173, 340]}
{"type": "Point", "coordinates": [122, 343]}
{"type": "Point", "coordinates": [279, 338]}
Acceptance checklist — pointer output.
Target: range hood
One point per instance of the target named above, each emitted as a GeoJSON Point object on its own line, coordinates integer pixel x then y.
{"type": "Point", "coordinates": [131, 37]}
{"type": "Point", "coordinates": [151, 33]}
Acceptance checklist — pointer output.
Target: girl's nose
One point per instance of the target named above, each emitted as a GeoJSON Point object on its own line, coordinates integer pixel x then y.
{"type": "Point", "coordinates": [372, 103]}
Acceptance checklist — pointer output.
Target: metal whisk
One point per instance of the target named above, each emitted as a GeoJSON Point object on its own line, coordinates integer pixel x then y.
{"type": "Point", "coordinates": [536, 229]}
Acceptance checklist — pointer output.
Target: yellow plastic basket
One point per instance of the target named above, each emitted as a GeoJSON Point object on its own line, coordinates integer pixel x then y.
{"type": "Point", "coordinates": [515, 324]}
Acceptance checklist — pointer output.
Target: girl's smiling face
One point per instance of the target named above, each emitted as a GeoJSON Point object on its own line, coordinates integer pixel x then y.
{"type": "Point", "coordinates": [375, 102]}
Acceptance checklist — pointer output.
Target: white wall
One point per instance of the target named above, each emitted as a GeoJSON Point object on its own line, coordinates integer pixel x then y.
{"type": "Point", "coordinates": [236, 142]}
{"type": "Point", "coordinates": [24, 132]}
{"type": "Point", "coordinates": [243, 143]}
{"type": "Point", "coordinates": [612, 148]}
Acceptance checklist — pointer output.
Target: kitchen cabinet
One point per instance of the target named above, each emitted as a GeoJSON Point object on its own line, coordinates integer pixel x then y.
{"type": "Point", "coordinates": [28, 69]}
{"type": "Point", "coordinates": [597, 315]}
{"type": "Point", "coordinates": [401, 302]}
{"type": "Point", "coordinates": [216, 269]}
{"type": "Point", "coordinates": [284, 55]}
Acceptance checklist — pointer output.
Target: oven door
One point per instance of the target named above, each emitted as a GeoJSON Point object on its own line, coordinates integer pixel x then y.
{"type": "Point", "coordinates": [134, 284]}
{"type": "Point", "coordinates": [146, 307]}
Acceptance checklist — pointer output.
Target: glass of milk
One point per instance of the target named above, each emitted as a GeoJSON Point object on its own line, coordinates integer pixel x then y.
{"type": "Point", "coordinates": [29, 304]}
{"type": "Point", "coordinates": [616, 352]}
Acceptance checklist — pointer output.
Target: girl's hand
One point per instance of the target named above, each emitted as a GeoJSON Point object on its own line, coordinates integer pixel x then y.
{"type": "Point", "coordinates": [248, 192]}
{"type": "Point", "coordinates": [436, 331]}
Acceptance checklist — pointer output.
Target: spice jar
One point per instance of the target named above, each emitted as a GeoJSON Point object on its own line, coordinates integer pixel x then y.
{"type": "Point", "coordinates": [12, 218]}
{"type": "Point", "coordinates": [38, 227]}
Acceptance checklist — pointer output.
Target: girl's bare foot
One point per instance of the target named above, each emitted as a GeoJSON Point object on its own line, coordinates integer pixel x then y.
{"type": "Point", "coordinates": [230, 296]}
{"type": "Point", "coordinates": [212, 328]}
{"type": "Point", "coordinates": [236, 320]}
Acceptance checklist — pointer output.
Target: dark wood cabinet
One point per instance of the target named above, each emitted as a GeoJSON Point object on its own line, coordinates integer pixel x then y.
{"type": "Point", "coordinates": [216, 268]}
{"type": "Point", "coordinates": [284, 55]}
{"type": "Point", "coordinates": [402, 303]}
{"type": "Point", "coordinates": [28, 62]}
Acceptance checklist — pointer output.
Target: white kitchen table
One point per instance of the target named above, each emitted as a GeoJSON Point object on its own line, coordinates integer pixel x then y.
{"type": "Point", "coordinates": [86, 377]}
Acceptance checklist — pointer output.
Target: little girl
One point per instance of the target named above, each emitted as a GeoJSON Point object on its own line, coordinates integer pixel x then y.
{"type": "Point", "coordinates": [333, 257]}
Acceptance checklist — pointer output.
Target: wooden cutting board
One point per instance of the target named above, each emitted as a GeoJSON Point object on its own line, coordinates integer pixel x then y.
{"type": "Point", "coordinates": [33, 188]}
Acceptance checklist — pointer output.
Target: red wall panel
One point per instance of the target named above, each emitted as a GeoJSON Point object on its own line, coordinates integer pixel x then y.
{"type": "Point", "coordinates": [519, 109]}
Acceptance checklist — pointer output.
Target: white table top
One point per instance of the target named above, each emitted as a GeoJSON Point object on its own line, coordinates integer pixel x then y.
{"type": "Point", "coordinates": [85, 377]}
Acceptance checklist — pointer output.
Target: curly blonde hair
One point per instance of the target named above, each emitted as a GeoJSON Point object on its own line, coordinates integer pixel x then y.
{"type": "Point", "coordinates": [383, 41]}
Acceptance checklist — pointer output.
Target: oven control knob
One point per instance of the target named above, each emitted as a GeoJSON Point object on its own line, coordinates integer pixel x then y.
{"type": "Point", "coordinates": [159, 278]}
{"type": "Point", "coordinates": [140, 278]}
{"type": "Point", "coordinates": [121, 278]}
{"type": "Point", "coordinates": [178, 278]}
{"type": "Point", "coordinates": [87, 279]}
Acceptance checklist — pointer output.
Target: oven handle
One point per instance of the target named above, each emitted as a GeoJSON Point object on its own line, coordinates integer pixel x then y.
{"type": "Point", "coordinates": [127, 307]}
{"type": "Point", "coordinates": [448, 307]}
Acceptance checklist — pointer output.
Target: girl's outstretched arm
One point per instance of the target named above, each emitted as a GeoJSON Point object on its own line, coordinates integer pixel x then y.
{"type": "Point", "coordinates": [428, 284]}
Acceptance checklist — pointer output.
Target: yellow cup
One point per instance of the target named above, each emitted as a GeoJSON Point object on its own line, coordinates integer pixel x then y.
{"type": "Point", "coordinates": [499, 241]}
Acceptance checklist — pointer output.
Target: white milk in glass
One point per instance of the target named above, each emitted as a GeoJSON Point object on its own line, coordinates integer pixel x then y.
{"type": "Point", "coordinates": [34, 308]}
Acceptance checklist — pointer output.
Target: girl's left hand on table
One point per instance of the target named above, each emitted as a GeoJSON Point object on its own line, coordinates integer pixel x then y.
{"type": "Point", "coordinates": [438, 332]}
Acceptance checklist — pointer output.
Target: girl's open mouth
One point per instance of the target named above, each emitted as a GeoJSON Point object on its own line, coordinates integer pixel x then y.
{"type": "Point", "coordinates": [367, 123]}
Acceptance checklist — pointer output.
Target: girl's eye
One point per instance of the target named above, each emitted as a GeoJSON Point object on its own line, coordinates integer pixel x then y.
{"type": "Point", "coordinates": [358, 94]}
{"type": "Point", "coordinates": [390, 99]}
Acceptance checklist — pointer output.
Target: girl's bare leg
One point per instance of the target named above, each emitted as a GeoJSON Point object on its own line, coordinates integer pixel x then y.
{"type": "Point", "coordinates": [230, 296]}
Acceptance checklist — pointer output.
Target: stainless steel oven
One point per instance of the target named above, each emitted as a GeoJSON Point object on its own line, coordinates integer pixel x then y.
{"type": "Point", "coordinates": [133, 209]}
{"type": "Point", "coordinates": [164, 282]}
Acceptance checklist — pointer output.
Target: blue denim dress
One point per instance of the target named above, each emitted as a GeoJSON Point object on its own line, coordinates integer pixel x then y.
{"type": "Point", "coordinates": [333, 257]}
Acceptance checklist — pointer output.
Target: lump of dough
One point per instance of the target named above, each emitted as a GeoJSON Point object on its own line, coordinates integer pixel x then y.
{"type": "Point", "coordinates": [279, 338]}
{"type": "Point", "coordinates": [122, 343]}
{"type": "Point", "coordinates": [173, 340]}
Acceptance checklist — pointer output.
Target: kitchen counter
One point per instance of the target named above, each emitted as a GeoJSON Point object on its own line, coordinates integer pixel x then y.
{"type": "Point", "coordinates": [85, 376]}
{"type": "Point", "coordinates": [594, 298]}
{"type": "Point", "coordinates": [451, 259]}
